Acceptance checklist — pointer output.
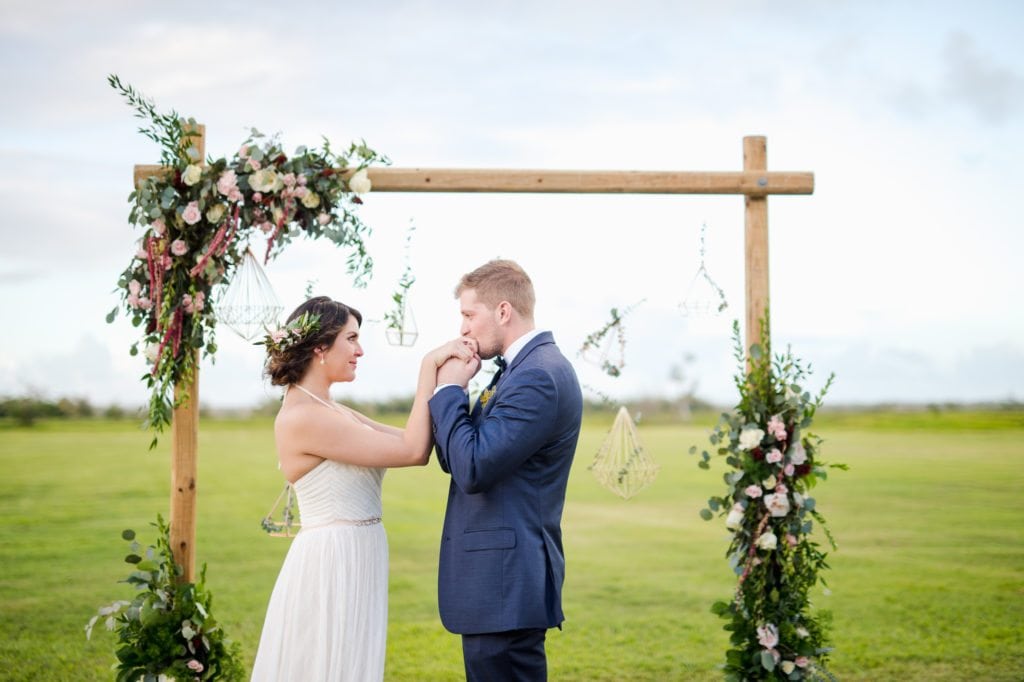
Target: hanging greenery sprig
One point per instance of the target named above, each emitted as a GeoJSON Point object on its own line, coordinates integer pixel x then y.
{"type": "Point", "coordinates": [598, 342]}
{"type": "Point", "coordinates": [396, 317]}
{"type": "Point", "coordinates": [197, 219]}
{"type": "Point", "coordinates": [773, 461]}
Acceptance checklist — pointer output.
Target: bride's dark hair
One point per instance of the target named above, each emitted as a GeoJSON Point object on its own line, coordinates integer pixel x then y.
{"type": "Point", "coordinates": [288, 366]}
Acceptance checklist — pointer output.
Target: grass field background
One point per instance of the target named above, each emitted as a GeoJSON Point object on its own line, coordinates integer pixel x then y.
{"type": "Point", "coordinates": [928, 582]}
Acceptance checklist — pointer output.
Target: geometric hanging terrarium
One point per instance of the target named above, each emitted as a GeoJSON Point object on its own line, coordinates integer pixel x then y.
{"type": "Point", "coordinates": [704, 298]}
{"type": "Point", "coordinates": [606, 347]}
{"type": "Point", "coordinates": [284, 506]}
{"type": "Point", "coordinates": [248, 305]}
{"type": "Point", "coordinates": [622, 465]}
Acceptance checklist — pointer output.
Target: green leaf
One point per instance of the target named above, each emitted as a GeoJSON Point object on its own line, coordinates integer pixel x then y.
{"type": "Point", "coordinates": [112, 315]}
{"type": "Point", "coordinates": [767, 660]}
{"type": "Point", "coordinates": [693, 448]}
{"type": "Point", "coordinates": [706, 514]}
{"type": "Point", "coordinates": [132, 559]}
{"type": "Point", "coordinates": [128, 535]}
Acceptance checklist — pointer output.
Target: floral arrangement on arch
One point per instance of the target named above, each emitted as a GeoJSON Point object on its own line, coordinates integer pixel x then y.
{"type": "Point", "coordinates": [168, 628]}
{"type": "Point", "coordinates": [773, 461]}
{"type": "Point", "coordinates": [197, 220]}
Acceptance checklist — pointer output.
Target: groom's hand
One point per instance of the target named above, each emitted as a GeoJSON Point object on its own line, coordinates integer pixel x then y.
{"type": "Point", "coordinates": [458, 371]}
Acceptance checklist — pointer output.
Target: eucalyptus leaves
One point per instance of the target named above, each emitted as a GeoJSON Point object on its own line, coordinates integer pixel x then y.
{"type": "Point", "coordinates": [773, 461]}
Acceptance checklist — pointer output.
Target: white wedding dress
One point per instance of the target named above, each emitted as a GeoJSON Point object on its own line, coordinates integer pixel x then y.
{"type": "Point", "coordinates": [328, 614]}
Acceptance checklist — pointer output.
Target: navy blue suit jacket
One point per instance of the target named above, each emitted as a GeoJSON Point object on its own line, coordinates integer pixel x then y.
{"type": "Point", "coordinates": [502, 565]}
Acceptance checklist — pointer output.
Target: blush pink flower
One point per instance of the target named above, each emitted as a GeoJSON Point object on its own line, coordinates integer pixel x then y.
{"type": "Point", "coordinates": [192, 214]}
{"type": "Point", "coordinates": [145, 303]}
{"type": "Point", "coordinates": [802, 661]}
{"type": "Point", "coordinates": [227, 182]}
{"type": "Point", "coordinates": [133, 300]}
{"type": "Point", "coordinates": [753, 491]}
{"type": "Point", "coordinates": [791, 540]}
{"type": "Point", "coordinates": [323, 218]}
{"type": "Point", "coordinates": [774, 456]}
{"type": "Point", "coordinates": [777, 504]}
{"type": "Point", "coordinates": [199, 301]}
{"type": "Point", "coordinates": [134, 287]}
{"type": "Point", "coordinates": [186, 303]}
{"type": "Point", "coordinates": [777, 428]}
{"type": "Point", "coordinates": [768, 636]}
{"type": "Point", "coordinates": [179, 247]}
{"type": "Point", "coordinates": [288, 179]}
{"type": "Point", "coordinates": [195, 666]}
{"type": "Point", "coordinates": [158, 227]}
{"type": "Point", "coordinates": [789, 469]}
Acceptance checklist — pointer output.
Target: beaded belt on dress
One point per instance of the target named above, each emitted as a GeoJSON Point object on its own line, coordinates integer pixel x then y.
{"type": "Point", "coordinates": [344, 522]}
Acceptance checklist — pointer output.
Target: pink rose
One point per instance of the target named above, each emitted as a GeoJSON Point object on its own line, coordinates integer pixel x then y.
{"type": "Point", "coordinates": [753, 491]}
{"type": "Point", "coordinates": [781, 488]}
{"type": "Point", "coordinates": [186, 303]}
{"type": "Point", "coordinates": [789, 470]}
{"type": "Point", "coordinates": [257, 197]}
{"type": "Point", "coordinates": [323, 218]}
{"type": "Point", "coordinates": [195, 666]}
{"type": "Point", "coordinates": [145, 303]}
{"type": "Point", "coordinates": [227, 183]}
{"type": "Point", "coordinates": [302, 180]}
{"type": "Point", "coordinates": [802, 661]}
{"type": "Point", "coordinates": [253, 164]}
{"type": "Point", "coordinates": [192, 214]}
{"type": "Point", "coordinates": [179, 247]}
{"type": "Point", "coordinates": [773, 456]}
{"type": "Point", "coordinates": [289, 180]}
{"type": "Point", "coordinates": [768, 636]}
{"type": "Point", "coordinates": [301, 192]}
{"type": "Point", "coordinates": [243, 151]}
{"type": "Point", "coordinates": [158, 227]}
{"type": "Point", "coordinates": [777, 504]}
{"type": "Point", "coordinates": [199, 301]}
{"type": "Point", "coordinates": [134, 287]}
{"type": "Point", "coordinates": [133, 300]}
{"type": "Point", "coordinates": [278, 334]}
{"type": "Point", "coordinates": [777, 428]}
{"type": "Point", "coordinates": [797, 454]}
{"type": "Point", "coordinates": [791, 540]}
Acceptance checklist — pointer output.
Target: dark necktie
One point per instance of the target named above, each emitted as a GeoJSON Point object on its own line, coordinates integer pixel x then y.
{"type": "Point", "coordinates": [500, 362]}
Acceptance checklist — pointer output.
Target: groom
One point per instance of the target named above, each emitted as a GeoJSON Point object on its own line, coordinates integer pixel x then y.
{"type": "Point", "coordinates": [502, 565]}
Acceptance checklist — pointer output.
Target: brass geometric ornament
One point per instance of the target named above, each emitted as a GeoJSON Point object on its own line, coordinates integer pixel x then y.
{"type": "Point", "coordinates": [622, 465]}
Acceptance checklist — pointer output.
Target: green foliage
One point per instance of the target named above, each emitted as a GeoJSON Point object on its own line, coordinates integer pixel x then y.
{"type": "Point", "coordinates": [168, 629]}
{"type": "Point", "coordinates": [196, 221]}
{"type": "Point", "coordinates": [773, 464]}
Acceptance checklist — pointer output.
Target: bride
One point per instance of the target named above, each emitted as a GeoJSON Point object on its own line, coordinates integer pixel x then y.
{"type": "Point", "coordinates": [327, 616]}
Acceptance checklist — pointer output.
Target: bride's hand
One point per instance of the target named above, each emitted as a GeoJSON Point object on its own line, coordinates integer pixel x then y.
{"type": "Point", "coordinates": [462, 348]}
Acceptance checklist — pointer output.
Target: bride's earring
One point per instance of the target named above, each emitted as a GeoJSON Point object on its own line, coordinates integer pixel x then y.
{"type": "Point", "coordinates": [322, 361]}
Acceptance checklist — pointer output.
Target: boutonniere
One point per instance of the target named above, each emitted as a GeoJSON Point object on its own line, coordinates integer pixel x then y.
{"type": "Point", "coordinates": [486, 396]}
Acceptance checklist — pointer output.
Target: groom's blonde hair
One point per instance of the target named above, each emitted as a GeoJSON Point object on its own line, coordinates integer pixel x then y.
{"type": "Point", "coordinates": [500, 280]}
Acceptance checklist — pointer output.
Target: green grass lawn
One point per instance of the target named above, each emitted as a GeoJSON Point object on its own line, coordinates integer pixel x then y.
{"type": "Point", "coordinates": [928, 582]}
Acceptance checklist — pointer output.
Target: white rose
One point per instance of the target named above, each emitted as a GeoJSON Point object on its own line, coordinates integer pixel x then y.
{"type": "Point", "coordinates": [777, 504]}
{"type": "Point", "coordinates": [311, 200]}
{"type": "Point", "coordinates": [359, 182]}
{"type": "Point", "coordinates": [802, 632]}
{"type": "Point", "coordinates": [767, 541]}
{"type": "Point", "coordinates": [192, 174]}
{"type": "Point", "coordinates": [150, 351]}
{"type": "Point", "coordinates": [735, 518]}
{"type": "Point", "coordinates": [787, 667]}
{"type": "Point", "coordinates": [798, 499]}
{"type": "Point", "coordinates": [750, 438]}
{"type": "Point", "coordinates": [263, 180]}
{"type": "Point", "coordinates": [215, 213]}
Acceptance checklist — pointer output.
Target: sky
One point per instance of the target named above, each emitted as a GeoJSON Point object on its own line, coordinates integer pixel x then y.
{"type": "Point", "coordinates": [899, 273]}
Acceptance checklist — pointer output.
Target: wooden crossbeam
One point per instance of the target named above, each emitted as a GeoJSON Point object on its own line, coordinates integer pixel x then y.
{"type": "Point", "coordinates": [499, 180]}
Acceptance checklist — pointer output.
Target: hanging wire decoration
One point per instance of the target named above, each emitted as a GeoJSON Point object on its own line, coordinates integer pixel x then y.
{"type": "Point", "coordinates": [401, 327]}
{"type": "Point", "coordinates": [622, 465]}
{"type": "Point", "coordinates": [704, 298]}
{"type": "Point", "coordinates": [286, 505]}
{"type": "Point", "coordinates": [248, 305]}
{"type": "Point", "coordinates": [606, 347]}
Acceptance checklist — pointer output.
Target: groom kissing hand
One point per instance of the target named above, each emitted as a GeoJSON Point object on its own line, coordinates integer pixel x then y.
{"type": "Point", "coordinates": [501, 562]}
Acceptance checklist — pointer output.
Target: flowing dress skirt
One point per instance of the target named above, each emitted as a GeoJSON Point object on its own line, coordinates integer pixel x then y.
{"type": "Point", "coordinates": [328, 614]}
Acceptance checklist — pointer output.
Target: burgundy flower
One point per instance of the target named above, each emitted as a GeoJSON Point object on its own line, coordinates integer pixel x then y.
{"type": "Point", "coordinates": [803, 469]}
{"type": "Point", "coordinates": [756, 453]}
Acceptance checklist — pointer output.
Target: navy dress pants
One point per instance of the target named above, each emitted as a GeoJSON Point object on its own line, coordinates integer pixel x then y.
{"type": "Point", "coordinates": [514, 656]}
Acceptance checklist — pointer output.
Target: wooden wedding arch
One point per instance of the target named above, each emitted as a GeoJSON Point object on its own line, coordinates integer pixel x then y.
{"type": "Point", "coordinates": [754, 182]}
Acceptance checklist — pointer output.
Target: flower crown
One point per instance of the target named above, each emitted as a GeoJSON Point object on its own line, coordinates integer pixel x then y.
{"type": "Point", "coordinates": [296, 331]}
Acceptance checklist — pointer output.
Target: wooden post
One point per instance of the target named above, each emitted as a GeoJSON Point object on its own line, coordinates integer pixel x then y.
{"type": "Point", "coordinates": [755, 158]}
{"type": "Point", "coordinates": [184, 460]}
{"type": "Point", "coordinates": [185, 448]}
